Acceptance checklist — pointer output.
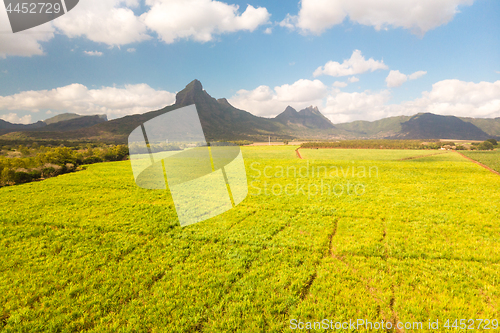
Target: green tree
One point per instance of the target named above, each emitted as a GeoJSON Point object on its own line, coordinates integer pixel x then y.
{"type": "Point", "coordinates": [486, 145]}
{"type": "Point", "coordinates": [493, 141]}
{"type": "Point", "coordinates": [24, 150]}
{"type": "Point", "coordinates": [7, 175]}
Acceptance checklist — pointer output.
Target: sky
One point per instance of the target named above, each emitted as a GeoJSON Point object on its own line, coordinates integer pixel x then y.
{"type": "Point", "coordinates": [354, 59]}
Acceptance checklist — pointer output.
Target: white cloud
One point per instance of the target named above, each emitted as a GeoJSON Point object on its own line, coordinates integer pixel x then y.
{"type": "Point", "coordinates": [289, 22]}
{"type": "Point", "coordinates": [498, 72]}
{"type": "Point", "coordinates": [343, 107]}
{"type": "Point", "coordinates": [396, 78]}
{"type": "Point", "coordinates": [15, 119]}
{"type": "Point", "coordinates": [200, 20]}
{"type": "Point", "coordinates": [340, 84]}
{"type": "Point", "coordinates": [93, 53]}
{"type": "Point", "coordinates": [447, 97]}
{"type": "Point", "coordinates": [25, 43]}
{"type": "Point", "coordinates": [111, 22]}
{"type": "Point", "coordinates": [76, 98]}
{"type": "Point", "coordinates": [460, 98]}
{"type": "Point", "coordinates": [416, 75]}
{"type": "Point", "coordinates": [353, 79]}
{"type": "Point", "coordinates": [355, 65]}
{"type": "Point", "coordinates": [418, 16]}
{"type": "Point", "coordinates": [264, 101]}
{"type": "Point", "coordinates": [131, 50]}
{"type": "Point", "coordinates": [301, 90]}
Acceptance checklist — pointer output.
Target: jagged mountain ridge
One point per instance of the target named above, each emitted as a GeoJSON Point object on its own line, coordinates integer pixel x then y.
{"type": "Point", "coordinates": [222, 121]}
{"type": "Point", "coordinates": [309, 117]}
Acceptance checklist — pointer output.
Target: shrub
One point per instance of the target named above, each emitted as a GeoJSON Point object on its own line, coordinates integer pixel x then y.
{"type": "Point", "coordinates": [51, 170]}
{"type": "Point", "coordinates": [92, 160]}
{"type": "Point", "coordinates": [21, 177]}
{"type": "Point", "coordinates": [486, 145]}
{"type": "Point", "coordinates": [35, 174]}
{"type": "Point", "coordinates": [48, 172]}
{"type": "Point", "coordinates": [493, 142]}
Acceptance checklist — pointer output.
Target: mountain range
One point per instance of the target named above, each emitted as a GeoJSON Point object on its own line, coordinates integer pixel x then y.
{"type": "Point", "coordinates": [222, 121]}
{"type": "Point", "coordinates": [60, 123]}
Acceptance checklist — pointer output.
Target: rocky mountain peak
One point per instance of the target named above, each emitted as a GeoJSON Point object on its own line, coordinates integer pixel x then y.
{"type": "Point", "coordinates": [190, 94]}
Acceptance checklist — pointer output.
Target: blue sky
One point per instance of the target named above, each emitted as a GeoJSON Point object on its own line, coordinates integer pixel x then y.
{"type": "Point", "coordinates": [123, 57]}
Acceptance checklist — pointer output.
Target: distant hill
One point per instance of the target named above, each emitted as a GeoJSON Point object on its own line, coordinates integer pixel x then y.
{"type": "Point", "coordinates": [59, 123]}
{"type": "Point", "coordinates": [309, 118]}
{"type": "Point", "coordinates": [6, 127]}
{"type": "Point", "coordinates": [431, 126]}
{"type": "Point", "coordinates": [378, 129]}
{"type": "Point", "coordinates": [489, 125]}
{"type": "Point", "coordinates": [61, 117]}
{"type": "Point", "coordinates": [222, 121]}
{"type": "Point", "coordinates": [73, 124]}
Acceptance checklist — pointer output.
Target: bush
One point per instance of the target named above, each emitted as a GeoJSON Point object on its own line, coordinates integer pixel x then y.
{"type": "Point", "coordinates": [486, 145]}
{"type": "Point", "coordinates": [92, 160]}
{"type": "Point", "coordinates": [35, 174]}
{"type": "Point", "coordinates": [48, 172]}
{"type": "Point", "coordinates": [461, 148]}
{"type": "Point", "coordinates": [21, 177]}
{"type": "Point", "coordinates": [493, 142]}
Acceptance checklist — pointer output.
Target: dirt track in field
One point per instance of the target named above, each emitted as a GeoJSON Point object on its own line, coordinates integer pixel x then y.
{"type": "Point", "coordinates": [421, 156]}
{"type": "Point", "coordinates": [481, 164]}
{"type": "Point", "coordinates": [298, 154]}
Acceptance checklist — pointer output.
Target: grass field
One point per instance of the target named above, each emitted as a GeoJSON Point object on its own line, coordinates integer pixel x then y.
{"type": "Point", "coordinates": [489, 158]}
{"type": "Point", "coordinates": [411, 241]}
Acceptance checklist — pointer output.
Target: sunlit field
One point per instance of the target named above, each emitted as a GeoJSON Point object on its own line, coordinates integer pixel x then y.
{"type": "Point", "coordinates": [339, 235]}
{"type": "Point", "coordinates": [489, 158]}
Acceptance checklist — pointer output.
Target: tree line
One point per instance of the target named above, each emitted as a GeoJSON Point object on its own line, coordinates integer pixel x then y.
{"type": "Point", "coordinates": [401, 144]}
{"type": "Point", "coordinates": [25, 164]}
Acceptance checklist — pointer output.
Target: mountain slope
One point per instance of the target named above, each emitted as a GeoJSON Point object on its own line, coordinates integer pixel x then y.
{"type": "Point", "coordinates": [75, 123]}
{"type": "Point", "coordinates": [373, 129]}
{"type": "Point", "coordinates": [431, 126]}
{"type": "Point", "coordinates": [489, 125]}
{"type": "Point", "coordinates": [6, 127]}
{"type": "Point", "coordinates": [61, 117]}
{"type": "Point", "coordinates": [57, 124]}
{"type": "Point", "coordinates": [220, 120]}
